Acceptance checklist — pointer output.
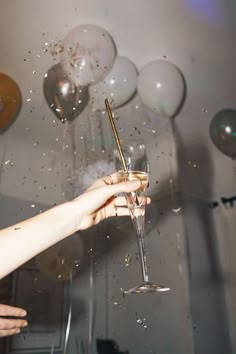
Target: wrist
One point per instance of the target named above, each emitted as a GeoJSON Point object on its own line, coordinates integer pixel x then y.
{"type": "Point", "coordinates": [71, 216]}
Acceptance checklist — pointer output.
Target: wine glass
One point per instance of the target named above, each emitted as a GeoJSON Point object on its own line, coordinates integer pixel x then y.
{"type": "Point", "coordinates": [137, 167]}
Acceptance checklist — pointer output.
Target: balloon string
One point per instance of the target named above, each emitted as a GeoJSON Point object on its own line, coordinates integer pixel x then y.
{"type": "Point", "coordinates": [86, 156]}
{"type": "Point", "coordinates": [172, 156]}
{"type": "Point", "coordinates": [92, 129]}
{"type": "Point", "coordinates": [52, 349]}
{"type": "Point", "coordinates": [76, 101]}
{"type": "Point", "coordinates": [102, 135]}
{"type": "Point", "coordinates": [92, 299]}
{"type": "Point", "coordinates": [69, 157]}
{"type": "Point", "coordinates": [72, 131]}
{"type": "Point", "coordinates": [2, 164]}
{"type": "Point", "coordinates": [234, 170]}
{"type": "Point", "coordinates": [65, 130]}
{"type": "Point", "coordinates": [107, 293]}
{"type": "Point", "coordinates": [77, 345]}
{"type": "Point", "coordinates": [68, 327]}
{"type": "Point", "coordinates": [64, 159]}
{"type": "Point", "coordinates": [73, 151]}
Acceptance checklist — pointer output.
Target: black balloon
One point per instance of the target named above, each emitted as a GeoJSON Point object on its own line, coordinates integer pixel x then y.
{"type": "Point", "coordinates": [65, 99]}
{"type": "Point", "coordinates": [223, 132]}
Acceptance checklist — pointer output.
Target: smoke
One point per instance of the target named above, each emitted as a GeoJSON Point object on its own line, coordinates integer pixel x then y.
{"type": "Point", "coordinates": [91, 173]}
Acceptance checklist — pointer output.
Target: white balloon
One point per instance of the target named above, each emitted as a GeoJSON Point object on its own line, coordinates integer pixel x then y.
{"type": "Point", "coordinates": [88, 54]}
{"type": "Point", "coordinates": [161, 87]}
{"type": "Point", "coordinates": [118, 86]}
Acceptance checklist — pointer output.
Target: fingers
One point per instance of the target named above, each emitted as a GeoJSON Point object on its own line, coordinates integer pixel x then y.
{"type": "Point", "coordinates": [9, 327]}
{"type": "Point", "coordinates": [112, 180]}
{"type": "Point", "coordinates": [98, 202]}
{"type": "Point", "coordinates": [9, 332]}
{"type": "Point", "coordinates": [148, 200]}
{"type": "Point", "coordinates": [6, 310]}
{"type": "Point", "coordinates": [125, 187]}
{"type": "Point", "coordinates": [96, 198]}
{"type": "Point", "coordinates": [6, 323]}
{"type": "Point", "coordinates": [119, 211]}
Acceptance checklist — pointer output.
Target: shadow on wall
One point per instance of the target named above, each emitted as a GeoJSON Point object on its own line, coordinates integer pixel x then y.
{"type": "Point", "coordinates": [206, 279]}
{"type": "Point", "coordinates": [107, 346]}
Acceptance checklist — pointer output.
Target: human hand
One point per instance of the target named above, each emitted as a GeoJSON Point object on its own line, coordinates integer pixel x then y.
{"type": "Point", "coordinates": [100, 201]}
{"type": "Point", "coordinates": [8, 327]}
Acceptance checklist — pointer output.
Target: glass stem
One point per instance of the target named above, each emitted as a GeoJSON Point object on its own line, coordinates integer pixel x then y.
{"type": "Point", "coordinates": [138, 222]}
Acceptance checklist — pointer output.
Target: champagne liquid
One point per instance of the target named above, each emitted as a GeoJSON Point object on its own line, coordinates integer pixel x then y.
{"type": "Point", "coordinates": [133, 175]}
{"type": "Point", "coordinates": [135, 199]}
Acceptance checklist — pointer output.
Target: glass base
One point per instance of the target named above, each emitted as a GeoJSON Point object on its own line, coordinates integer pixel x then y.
{"type": "Point", "coordinates": [146, 288]}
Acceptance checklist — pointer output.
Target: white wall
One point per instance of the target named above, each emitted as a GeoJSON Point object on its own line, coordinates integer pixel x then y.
{"type": "Point", "coordinates": [208, 282]}
{"type": "Point", "coordinates": [199, 37]}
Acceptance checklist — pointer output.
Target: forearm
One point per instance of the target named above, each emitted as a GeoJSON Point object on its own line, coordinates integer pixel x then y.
{"type": "Point", "coordinates": [21, 242]}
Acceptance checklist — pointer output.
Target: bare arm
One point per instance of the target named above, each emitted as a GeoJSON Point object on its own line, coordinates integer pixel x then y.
{"type": "Point", "coordinates": [23, 241]}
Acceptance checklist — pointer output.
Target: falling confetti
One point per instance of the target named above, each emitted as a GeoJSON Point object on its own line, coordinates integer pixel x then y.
{"type": "Point", "coordinates": [56, 48]}
{"type": "Point", "coordinates": [141, 321]}
{"type": "Point", "coordinates": [119, 305]}
{"type": "Point", "coordinates": [128, 260]}
{"type": "Point", "coordinates": [176, 210]}
{"type": "Point", "coordinates": [77, 263]}
{"type": "Point", "coordinates": [9, 162]}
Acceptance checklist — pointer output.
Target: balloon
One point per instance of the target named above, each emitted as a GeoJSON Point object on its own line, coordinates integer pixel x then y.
{"type": "Point", "coordinates": [61, 260]}
{"type": "Point", "coordinates": [161, 87]}
{"type": "Point", "coordinates": [118, 86]}
{"type": "Point", "coordinates": [10, 100]}
{"type": "Point", "coordinates": [88, 54]}
{"type": "Point", "coordinates": [223, 132]}
{"type": "Point", "coordinates": [65, 99]}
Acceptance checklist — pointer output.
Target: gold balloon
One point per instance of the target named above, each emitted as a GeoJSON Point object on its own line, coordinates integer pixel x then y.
{"type": "Point", "coordinates": [62, 260]}
{"type": "Point", "coordinates": [10, 100]}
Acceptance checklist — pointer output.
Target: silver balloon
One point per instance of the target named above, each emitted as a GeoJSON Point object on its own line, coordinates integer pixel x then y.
{"type": "Point", "coordinates": [223, 132]}
{"type": "Point", "coordinates": [65, 99]}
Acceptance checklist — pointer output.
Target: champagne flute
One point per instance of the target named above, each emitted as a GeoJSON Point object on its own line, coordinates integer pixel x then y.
{"type": "Point", "coordinates": [137, 167]}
